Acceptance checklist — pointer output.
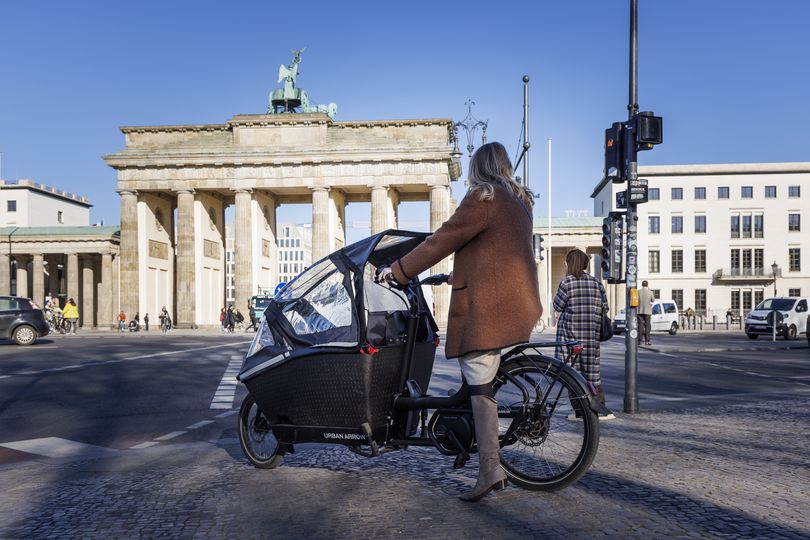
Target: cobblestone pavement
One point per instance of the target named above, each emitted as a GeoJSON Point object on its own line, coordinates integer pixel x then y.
{"type": "Point", "coordinates": [721, 472]}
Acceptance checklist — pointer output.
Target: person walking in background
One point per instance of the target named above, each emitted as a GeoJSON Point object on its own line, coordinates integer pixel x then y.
{"type": "Point", "coordinates": [71, 315]}
{"type": "Point", "coordinates": [253, 321]}
{"type": "Point", "coordinates": [690, 318]}
{"type": "Point", "coordinates": [165, 320]}
{"type": "Point", "coordinates": [230, 320]}
{"type": "Point", "coordinates": [146, 322]}
{"type": "Point", "coordinates": [645, 302]}
{"type": "Point", "coordinates": [581, 300]}
{"type": "Point", "coordinates": [494, 301]}
{"type": "Point", "coordinates": [122, 320]}
{"type": "Point", "coordinates": [222, 320]}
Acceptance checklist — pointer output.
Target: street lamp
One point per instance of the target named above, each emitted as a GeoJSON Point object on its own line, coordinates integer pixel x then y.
{"type": "Point", "coordinates": [774, 268]}
{"type": "Point", "coordinates": [470, 125]}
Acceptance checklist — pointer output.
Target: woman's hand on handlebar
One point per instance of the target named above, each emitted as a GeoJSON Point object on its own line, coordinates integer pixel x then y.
{"type": "Point", "coordinates": [384, 274]}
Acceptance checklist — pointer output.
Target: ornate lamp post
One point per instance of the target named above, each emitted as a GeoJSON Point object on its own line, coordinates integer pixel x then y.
{"type": "Point", "coordinates": [774, 268]}
{"type": "Point", "coordinates": [470, 125]}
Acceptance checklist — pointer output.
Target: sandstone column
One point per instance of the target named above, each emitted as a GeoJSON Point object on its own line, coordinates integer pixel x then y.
{"type": "Point", "coordinates": [243, 249]}
{"type": "Point", "coordinates": [186, 263]}
{"type": "Point", "coordinates": [22, 275]}
{"type": "Point", "coordinates": [72, 278]}
{"type": "Point", "coordinates": [105, 302]}
{"type": "Point", "coordinates": [320, 223]}
{"type": "Point", "coordinates": [53, 277]}
{"type": "Point", "coordinates": [38, 279]}
{"type": "Point", "coordinates": [129, 274]}
{"type": "Point", "coordinates": [439, 213]}
{"type": "Point", "coordinates": [88, 296]}
{"type": "Point", "coordinates": [5, 274]}
{"type": "Point", "coordinates": [379, 209]}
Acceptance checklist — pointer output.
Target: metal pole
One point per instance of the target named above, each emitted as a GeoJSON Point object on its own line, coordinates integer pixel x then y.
{"type": "Point", "coordinates": [631, 335]}
{"type": "Point", "coordinates": [550, 257]}
{"type": "Point", "coordinates": [773, 305]}
{"type": "Point", "coordinates": [526, 130]}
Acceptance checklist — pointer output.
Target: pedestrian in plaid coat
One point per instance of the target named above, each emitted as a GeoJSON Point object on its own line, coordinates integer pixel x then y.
{"type": "Point", "coordinates": [580, 300]}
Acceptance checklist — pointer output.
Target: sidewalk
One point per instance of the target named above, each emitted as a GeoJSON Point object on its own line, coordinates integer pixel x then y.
{"type": "Point", "coordinates": [735, 471]}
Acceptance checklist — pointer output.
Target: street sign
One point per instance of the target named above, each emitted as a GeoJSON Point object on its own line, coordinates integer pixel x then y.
{"type": "Point", "coordinates": [638, 190]}
{"type": "Point", "coordinates": [621, 199]}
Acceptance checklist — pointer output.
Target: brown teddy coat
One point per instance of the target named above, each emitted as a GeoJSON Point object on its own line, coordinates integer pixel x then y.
{"type": "Point", "coordinates": [495, 301]}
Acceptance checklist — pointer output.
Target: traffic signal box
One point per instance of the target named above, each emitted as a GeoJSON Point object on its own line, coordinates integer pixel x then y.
{"type": "Point", "coordinates": [612, 247]}
{"type": "Point", "coordinates": [537, 246]}
{"type": "Point", "coordinates": [624, 139]}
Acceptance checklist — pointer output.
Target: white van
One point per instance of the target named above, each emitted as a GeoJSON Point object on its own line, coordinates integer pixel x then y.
{"type": "Point", "coordinates": [791, 318]}
{"type": "Point", "coordinates": [664, 318]}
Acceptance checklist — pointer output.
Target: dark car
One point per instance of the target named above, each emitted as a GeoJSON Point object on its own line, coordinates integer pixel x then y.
{"type": "Point", "coordinates": [21, 320]}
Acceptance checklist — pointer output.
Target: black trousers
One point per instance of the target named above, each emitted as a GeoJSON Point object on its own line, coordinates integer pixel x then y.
{"type": "Point", "coordinates": [643, 328]}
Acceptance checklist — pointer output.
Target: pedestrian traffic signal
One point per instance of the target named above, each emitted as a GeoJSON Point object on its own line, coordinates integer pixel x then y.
{"type": "Point", "coordinates": [612, 244]}
{"type": "Point", "coordinates": [614, 157]}
{"type": "Point", "coordinates": [649, 130]}
{"type": "Point", "coordinates": [537, 246]}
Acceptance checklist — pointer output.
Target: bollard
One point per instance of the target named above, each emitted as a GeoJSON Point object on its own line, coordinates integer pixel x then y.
{"type": "Point", "coordinates": [728, 322]}
{"type": "Point", "coordinates": [701, 322]}
{"type": "Point", "coordinates": [714, 322]}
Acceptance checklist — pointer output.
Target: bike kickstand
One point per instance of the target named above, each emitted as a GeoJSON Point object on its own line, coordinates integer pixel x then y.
{"type": "Point", "coordinates": [375, 450]}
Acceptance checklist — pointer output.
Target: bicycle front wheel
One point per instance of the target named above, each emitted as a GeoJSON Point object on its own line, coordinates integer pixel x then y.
{"type": "Point", "coordinates": [256, 436]}
{"type": "Point", "coordinates": [553, 442]}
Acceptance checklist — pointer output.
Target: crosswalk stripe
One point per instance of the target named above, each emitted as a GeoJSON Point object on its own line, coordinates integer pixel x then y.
{"type": "Point", "coordinates": [55, 447]}
{"type": "Point", "coordinates": [226, 391]}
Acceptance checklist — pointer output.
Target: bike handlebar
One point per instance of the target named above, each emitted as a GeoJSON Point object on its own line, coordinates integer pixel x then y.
{"type": "Point", "coordinates": [436, 279]}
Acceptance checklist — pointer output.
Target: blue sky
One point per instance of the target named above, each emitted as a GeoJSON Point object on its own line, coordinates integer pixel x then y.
{"type": "Point", "coordinates": [730, 78]}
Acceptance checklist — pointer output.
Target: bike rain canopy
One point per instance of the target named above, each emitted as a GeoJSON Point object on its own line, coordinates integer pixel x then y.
{"type": "Point", "coordinates": [335, 305]}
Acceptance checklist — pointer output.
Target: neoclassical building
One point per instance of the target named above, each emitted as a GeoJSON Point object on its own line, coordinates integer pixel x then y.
{"type": "Point", "coordinates": [175, 183]}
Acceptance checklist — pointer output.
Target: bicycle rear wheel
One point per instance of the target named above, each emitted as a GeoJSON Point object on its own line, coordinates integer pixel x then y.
{"type": "Point", "coordinates": [256, 436]}
{"type": "Point", "coordinates": [555, 442]}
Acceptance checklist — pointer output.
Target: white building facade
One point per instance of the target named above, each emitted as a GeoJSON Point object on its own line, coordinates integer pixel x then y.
{"type": "Point", "coordinates": [710, 234]}
{"type": "Point", "coordinates": [294, 250]}
{"type": "Point", "coordinates": [30, 204]}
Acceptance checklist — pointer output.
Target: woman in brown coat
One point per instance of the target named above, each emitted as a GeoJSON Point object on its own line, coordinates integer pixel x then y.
{"type": "Point", "coordinates": [495, 301]}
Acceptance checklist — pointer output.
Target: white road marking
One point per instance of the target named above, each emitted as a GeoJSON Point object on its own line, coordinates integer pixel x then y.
{"type": "Point", "coordinates": [55, 447]}
{"type": "Point", "coordinates": [223, 397]}
{"type": "Point", "coordinates": [168, 436]}
{"type": "Point", "coordinates": [146, 444]}
{"type": "Point", "coordinates": [687, 397]}
{"type": "Point", "coordinates": [226, 414]}
{"type": "Point", "coordinates": [200, 424]}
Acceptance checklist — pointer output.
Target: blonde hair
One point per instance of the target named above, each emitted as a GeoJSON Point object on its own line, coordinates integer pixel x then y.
{"type": "Point", "coordinates": [490, 167]}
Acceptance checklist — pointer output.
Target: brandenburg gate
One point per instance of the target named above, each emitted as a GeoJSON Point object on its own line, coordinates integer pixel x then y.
{"type": "Point", "coordinates": [175, 183]}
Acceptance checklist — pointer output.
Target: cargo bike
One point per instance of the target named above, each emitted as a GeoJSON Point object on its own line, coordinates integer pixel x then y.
{"type": "Point", "coordinates": [341, 359]}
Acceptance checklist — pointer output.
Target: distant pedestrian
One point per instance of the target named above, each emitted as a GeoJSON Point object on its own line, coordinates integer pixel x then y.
{"type": "Point", "coordinates": [581, 300]}
{"type": "Point", "coordinates": [165, 320]}
{"type": "Point", "coordinates": [645, 302]}
{"type": "Point", "coordinates": [146, 322]}
{"type": "Point", "coordinates": [239, 318]}
{"type": "Point", "coordinates": [71, 315]}
{"type": "Point", "coordinates": [122, 320]}
{"type": "Point", "coordinates": [690, 318]}
{"type": "Point", "coordinates": [253, 320]}
{"type": "Point", "coordinates": [222, 319]}
{"type": "Point", "coordinates": [230, 320]}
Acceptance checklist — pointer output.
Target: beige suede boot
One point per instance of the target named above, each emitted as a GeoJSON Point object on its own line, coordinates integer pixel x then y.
{"type": "Point", "coordinates": [490, 474]}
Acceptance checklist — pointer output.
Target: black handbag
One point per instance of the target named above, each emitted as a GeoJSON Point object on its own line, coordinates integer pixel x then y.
{"type": "Point", "coordinates": [606, 328]}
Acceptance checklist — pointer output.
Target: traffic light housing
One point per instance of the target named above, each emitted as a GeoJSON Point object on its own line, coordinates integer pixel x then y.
{"type": "Point", "coordinates": [537, 246]}
{"type": "Point", "coordinates": [649, 130]}
{"type": "Point", "coordinates": [612, 247]}
{"type": "Point", "coordinates": [614, 156]}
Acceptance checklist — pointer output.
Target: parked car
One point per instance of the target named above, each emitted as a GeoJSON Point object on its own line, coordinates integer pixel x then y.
{"type": "Point", "coordinates": [664, 318]}
{"type": "Point", "coordinates": [21, 320]}
{"type": "Point", "coordinates": [791, 318]}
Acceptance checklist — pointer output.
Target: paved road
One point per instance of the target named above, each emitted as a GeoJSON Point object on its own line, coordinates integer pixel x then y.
{"type": "Point", "coordinates": [115, 436]}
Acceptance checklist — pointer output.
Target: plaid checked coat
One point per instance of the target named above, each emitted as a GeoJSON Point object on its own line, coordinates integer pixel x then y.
{"type": "Point", "coordinates": [580, 302]}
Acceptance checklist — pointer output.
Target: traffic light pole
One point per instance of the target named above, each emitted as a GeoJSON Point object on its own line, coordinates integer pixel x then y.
{"type": "Point", "coordinates": [631, 168]}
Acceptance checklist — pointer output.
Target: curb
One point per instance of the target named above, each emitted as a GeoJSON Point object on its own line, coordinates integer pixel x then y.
{"type": "Point", "coordinates": [725, 349]}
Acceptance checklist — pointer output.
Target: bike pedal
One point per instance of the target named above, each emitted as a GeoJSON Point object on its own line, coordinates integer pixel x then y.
{"type": "Point", "coordinates": [461, 460]}
{"type": "Point", "coordinates": [451, 391]}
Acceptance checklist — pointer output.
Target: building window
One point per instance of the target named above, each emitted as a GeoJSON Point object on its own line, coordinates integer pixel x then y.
{"type": "Point", "coordinates": [700, 301]}
{"type": "Point", "coordinates": [700, 193]}
{"type": "Point", "coordinates": [677, 261]}
{"type": "Point", "coordinates": [735, 226]}
{"type": "Point", "coordinates": [11, 206]}
{"type": "Point", "coordinates": [700, 260]}
{"type": "Point", "coordinates": [794, 192]}
{"type": "Point", "coordinates": [735, 300]}
{"type": "Point", "coordinates": [759, 296]}
{"type": "Point", "coordinates": [677, 224]}
{"type": "Point", "coordinates": [759, 226]}
{"type": "Point", "coordinates": [759, 262]}
{"type": "Point", "coordinates": [60, 217]}
{"type": "Point", "coordinates": [722, 192]}
{"type": "Point", "coordinates": [654, 194]}
{"type": "Point", "coordinates": [700, 224]}
{"type": "Point", "coordinates": [794, 292]}
{"type": "Point", "coordinates": [795, 258]}
{"type": "Point", "coordinates": [746, 226]}
{"type": "Point", "coordinates": [794, 222]}
{"type": "Point", "coordinates": [746, 261]}
{"type": "Point", "coordinates": [677, 194]}
{"type": "Point", "coordinates": [747, 192]}
{"type": "Point", "coordinates": [654, 261]}
{"type": "Point", "coordinates": [770, 192]}
{"type": "Point", "coordinates": [735, 262]}
{"type": "Point", "coordinates": [677, 296]}
{"type": "Point", "coordinates": [656, 294]}
{"type": "Point", "coordinates": [654, 223]}
{"type": "Point", "coordinates": [746, 301]}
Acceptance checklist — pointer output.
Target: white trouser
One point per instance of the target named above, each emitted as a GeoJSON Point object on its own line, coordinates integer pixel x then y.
{"type": "Point", "coordinates": [480, 367]}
